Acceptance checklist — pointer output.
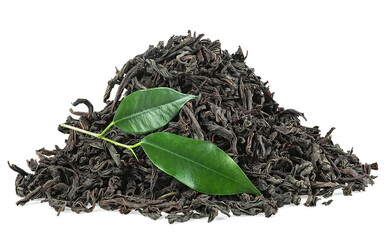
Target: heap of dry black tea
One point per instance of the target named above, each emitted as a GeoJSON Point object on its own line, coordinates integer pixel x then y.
{"type": "Point", "coordinates": [235, 110]}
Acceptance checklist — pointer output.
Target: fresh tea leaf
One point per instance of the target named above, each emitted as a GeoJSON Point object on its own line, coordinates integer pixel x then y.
{"type": "Point", "coordinates": [198, 164]}
{"type": "Point", "coordinates": [147, 110]}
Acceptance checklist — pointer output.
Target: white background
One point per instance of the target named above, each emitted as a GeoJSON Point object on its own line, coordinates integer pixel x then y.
{"type": "Point", "coordinates": [324, 58]}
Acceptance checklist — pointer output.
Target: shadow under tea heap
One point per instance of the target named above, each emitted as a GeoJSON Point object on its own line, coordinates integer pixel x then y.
{"type": "Point", "coordinates": [234, 109]}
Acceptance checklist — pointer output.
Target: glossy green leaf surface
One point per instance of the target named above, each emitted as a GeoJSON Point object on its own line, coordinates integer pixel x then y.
{"type": "Point", "coordinates": [198, 164]}
{"type": "Point", "coordinates": [147, 110]}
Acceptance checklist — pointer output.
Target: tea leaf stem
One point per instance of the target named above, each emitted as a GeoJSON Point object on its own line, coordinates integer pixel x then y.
{"type": "Point", "coordinates": [130, 147]}
{"type": "Point", "coordinates": [136, 145]}
{"type": "Point", "coordinates": [107, 128]}
{"type": "Point", "coordinates": [80, 130]}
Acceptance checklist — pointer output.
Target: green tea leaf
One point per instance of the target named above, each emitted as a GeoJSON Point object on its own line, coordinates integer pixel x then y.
{"type": "Point", "coordinates": [147, 110]}
{"type": "Point", "coordinates": [198, 164]}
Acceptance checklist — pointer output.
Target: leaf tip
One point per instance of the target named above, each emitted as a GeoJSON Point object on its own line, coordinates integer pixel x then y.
{"type": "Point", "coordinates": [193, 96]}
{"type": "Point", "coordinates": [255, 191]}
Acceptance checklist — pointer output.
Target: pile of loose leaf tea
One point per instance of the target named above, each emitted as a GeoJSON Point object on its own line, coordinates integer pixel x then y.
{"type": "Point", "coordinates": [230, 107]}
